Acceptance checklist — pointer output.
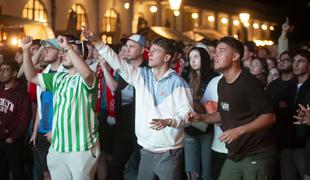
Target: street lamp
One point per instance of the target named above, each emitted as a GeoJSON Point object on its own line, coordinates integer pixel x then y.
{"type": "Point", "coordinates": [175, 6]}
{"type": "Point", "coordinates": [244, 17]}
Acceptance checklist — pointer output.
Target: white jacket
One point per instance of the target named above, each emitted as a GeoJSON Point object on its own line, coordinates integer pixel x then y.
{"type": "Point", "coordinates": [169, 97]}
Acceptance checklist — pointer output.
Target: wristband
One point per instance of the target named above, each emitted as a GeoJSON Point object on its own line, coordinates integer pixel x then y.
{"type": "Point", "coordinates": [68, 48]}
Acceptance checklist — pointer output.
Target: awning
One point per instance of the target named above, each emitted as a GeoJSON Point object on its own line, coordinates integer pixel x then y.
{"type": "Point", "coordinates": [199, 33]}
{"type": "Point", "coordinates": [7, 20]}
{"type": "Point", "coordinates": [37, 30]}
{"type": "Point", "coordinates": [159, 31]}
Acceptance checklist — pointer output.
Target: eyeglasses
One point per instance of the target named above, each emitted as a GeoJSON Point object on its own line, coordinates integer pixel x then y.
{"type": "Point", "coordinates": [77, 42]}
{"type": "Point", "coordinates": [285, 61]}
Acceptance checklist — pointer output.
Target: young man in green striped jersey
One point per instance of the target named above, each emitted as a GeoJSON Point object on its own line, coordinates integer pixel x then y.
{"type": "Point", "coordinates": [74, 148]}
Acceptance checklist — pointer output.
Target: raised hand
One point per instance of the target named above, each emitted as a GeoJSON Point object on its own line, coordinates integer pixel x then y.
{"type": "Point", "coordinates": [303, 116]}
{"type": "Point", "coordinates": [90, 36]}
{"type": "Point", "coordinates": [63, 41]}
{"type": "Point", "coordinates": [26, 42]}
{"type": "Point", "coordinates": [286, 27]}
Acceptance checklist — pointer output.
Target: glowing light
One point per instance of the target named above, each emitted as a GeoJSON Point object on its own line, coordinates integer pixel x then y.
{"type": "Point", "coordinates": [246, 24]}
{"type": "Point", "coordinates": [176, 13]}
{"type": "Point", "coordinates": [244, 17]}
{"type": "Point", "coordinates": [271, 28]}
{"type": "Point", "coordinates": [175, 4]}
{"type": "Point", "coordinates": [263, 42]}
{"type": "Point", "coordinates": [153, 9]}
{"type": "Point", "coordinates": [15, 41]}
{"type": "Point", "coordinates": [127, 5]}
{"type": "Point", "coordinates": [236, 22]}
{"type": "Point", "coordinates": [264, 27]}
{"type": "Point", "coordinates": [255, 26]}
{"type": "Point", "coordinates": [224, 20]}
{"type": "Point", "coordinates": [211, 18]}
{"type": "Point", "coordinates": [195, 15]}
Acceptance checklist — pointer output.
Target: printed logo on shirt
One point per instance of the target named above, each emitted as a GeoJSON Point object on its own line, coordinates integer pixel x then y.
{"type": "Point", "coordinates": [225, 106]}
{"type": "Point", "coordinates": [6, 105]}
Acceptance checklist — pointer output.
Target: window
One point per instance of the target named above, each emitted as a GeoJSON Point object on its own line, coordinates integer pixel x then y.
{"type": "Point", "coordinates": [35, 10]}
{"type": "Point", "coordinates": [109, 25]}
{"type": "Point", "coordinates": [109, 21]}
{"type": "Point", "coordinates": [81, 18]}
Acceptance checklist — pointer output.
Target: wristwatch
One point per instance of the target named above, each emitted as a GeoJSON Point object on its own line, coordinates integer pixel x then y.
{"type": "Point", "coordinates": [170, 121]}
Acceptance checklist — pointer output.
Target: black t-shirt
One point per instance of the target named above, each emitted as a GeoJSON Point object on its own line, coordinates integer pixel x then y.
{"type": "Point", "coordinates": [282, 95]}
{"type": "Point", "coordinates": [240, 103]}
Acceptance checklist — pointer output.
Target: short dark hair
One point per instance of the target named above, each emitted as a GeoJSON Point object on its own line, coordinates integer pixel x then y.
{"type": "Point", "coordinates": [233, 43]}
{"type": "Point", "coordinates": [285, 52]}
{"type": "Point", "coordinates": [12, 63]}
{"type": "Point", "coordinates": [251, 46]}
{"type": "Point", "coordinates": [166, 44]}
{"type": "Point", "coordinates": [36, 42]}
{"type": "Point", "coordinates": [302, 52]}
{"type": "Point", "coordinates": [208, 42]}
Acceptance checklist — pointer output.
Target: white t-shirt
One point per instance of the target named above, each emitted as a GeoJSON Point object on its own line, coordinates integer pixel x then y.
{"type": "Point", "coordinates": [211, 95]}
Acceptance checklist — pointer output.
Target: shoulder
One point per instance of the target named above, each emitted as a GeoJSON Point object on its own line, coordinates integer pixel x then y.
{"type": "Point", "coordinates": [177, 80]}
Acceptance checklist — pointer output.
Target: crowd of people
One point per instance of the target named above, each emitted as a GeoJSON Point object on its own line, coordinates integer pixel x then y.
{"type": "Point", "coordinates": [225, 109]}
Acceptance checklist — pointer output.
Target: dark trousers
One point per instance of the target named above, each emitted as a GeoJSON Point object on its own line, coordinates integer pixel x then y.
{"type": "Point", "coordinates": [40, 151]}
{"type": "Point", "coordinates": [11, 158]}
{"type": "Point", "coordinates": [217, 160]}
{"type": "Point", "coordinates": [124, 143]}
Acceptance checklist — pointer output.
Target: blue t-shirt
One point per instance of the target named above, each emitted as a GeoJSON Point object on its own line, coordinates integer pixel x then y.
{"type": "Point", "coordinates": [47, 112]}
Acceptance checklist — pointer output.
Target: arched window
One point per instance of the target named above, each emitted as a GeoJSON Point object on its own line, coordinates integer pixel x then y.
{"type": "Point", "coordinates": [109, 25]}
{"type": "Point", "coordinates": [109, 21]}
{"type": "Point", "coordinates": [81, 19]}
{"type": "Point", "coordinates": [35, 10]}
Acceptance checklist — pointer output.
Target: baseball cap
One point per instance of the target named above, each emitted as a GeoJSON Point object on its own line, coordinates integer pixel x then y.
{"type": "Point", "coordinates": [50, 43]}
{"type": "Point", "coordinates": [136, 38]}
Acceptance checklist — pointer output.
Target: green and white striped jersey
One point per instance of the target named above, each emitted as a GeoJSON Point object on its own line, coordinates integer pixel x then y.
{"type": "Point", "coordinates": [75, 125]}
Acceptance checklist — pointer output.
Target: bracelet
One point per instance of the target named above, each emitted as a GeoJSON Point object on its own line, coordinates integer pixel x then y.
{"type": "Point", "coordinates": [68, 48]}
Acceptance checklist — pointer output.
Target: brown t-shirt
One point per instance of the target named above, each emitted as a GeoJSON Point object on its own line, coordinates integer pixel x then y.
{"type": "Point", "coordinates": [240, 103]}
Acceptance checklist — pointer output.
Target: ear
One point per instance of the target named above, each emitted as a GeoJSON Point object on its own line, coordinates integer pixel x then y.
{"type": "Point", "coordinates": [167, 58]}
{"type": "Point", "coordinates": [15, 74]}
{"type": "Point", "coordinates": [236, 56]}
{"type": "Point", "coordinates": [142, 50]}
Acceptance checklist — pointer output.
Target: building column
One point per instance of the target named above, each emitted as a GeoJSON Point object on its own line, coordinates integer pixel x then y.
{"type": "Point", "coordinates": [130, 16]}
{"type": "Point", "coordinates": [158, 15]}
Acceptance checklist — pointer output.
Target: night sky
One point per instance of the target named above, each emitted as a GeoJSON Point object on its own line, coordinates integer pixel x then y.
{"type": "Point", "coordinates": [299, 15]}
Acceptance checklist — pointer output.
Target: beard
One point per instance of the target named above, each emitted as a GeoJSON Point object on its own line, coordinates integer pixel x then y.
{"type": "Point", "coordinates": [286, 71]}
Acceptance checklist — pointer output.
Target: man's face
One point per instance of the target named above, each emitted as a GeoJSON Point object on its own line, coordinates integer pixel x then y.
{"type": "Point", "coordinates": [301, 65]}
{"type": "Point", "coordinates": [50, 55]}
{"type": "Point", "coordinates": [157, 56]}
{"type": "Point", "coordinates": [211, 50]}
{"type": "Point", "coordinates": [134, 50]}
{"type": "Point", "coordinates": [285, 63]}
{"type": "Point", "coordinates": [223, 57]}
{"type": "Point", "coordinates": [66, 61]}
{"type": "Point", "coordinates": [247, 55]}
{"type": "Point", "coordinates": [6, 74]}
{"type": "Point", "coordinates": [123, 52]}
